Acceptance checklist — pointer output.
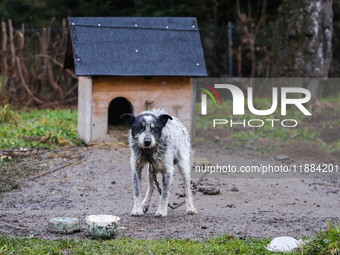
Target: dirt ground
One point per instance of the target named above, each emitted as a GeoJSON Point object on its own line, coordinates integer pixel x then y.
{"type": "Point", "coordinates": [99, 182]}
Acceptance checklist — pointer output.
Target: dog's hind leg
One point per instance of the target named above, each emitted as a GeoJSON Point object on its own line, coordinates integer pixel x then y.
{"type": "Point", "coordinates": [162, 210]}
{"type": "Point", "coordinates": [184, 168]}
{"type": "Point", "coordinates": [149, 192]}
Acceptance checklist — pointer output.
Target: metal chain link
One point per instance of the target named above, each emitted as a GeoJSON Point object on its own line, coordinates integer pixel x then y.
{"type": "Point", "coordinates": [159, 189]}
{"type": "Point", "coordinates": [155, 177]}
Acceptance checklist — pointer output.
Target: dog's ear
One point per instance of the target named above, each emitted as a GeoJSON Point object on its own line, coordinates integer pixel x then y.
{"type": "Point", "coordinates": [164, 119]}
{"type": "Point", "coordinates": [129, 118]}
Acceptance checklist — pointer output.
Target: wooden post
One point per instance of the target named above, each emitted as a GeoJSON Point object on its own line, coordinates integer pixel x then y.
{"type": "Point", "coordinates": [21, 47]}
{"type": "Point", "coordinates": [43, 48]}
{"type": "Point", "coordinates": [48, 37]}
{"type": "Point", "coordinates": [85, 108]}
{"type": "Point", "coordinates": [23, 29]}
{"type": "Point", "coordinates": [44, 45]}
{"type": "Point", "coordinates": [21, 44]}
{"type": "Point", "coordinates": [11, 42]}
{"type": "Point", "coordinates": [4, 61]}
{"type": "Point", "coordinates": [193, 92]}
{"type": "Point", "coordinates": [64, 32]}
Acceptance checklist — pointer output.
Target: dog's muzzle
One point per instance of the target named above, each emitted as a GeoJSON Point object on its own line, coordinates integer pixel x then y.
{"type": "Point", "coordinates": [147, 141]}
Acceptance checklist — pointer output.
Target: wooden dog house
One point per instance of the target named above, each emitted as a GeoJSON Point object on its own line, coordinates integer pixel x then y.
{"type": "Point", "coordinates": [131, 65]}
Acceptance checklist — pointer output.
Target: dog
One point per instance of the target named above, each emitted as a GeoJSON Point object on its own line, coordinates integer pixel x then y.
{"type": "Point", "coordinates": [161, 141]}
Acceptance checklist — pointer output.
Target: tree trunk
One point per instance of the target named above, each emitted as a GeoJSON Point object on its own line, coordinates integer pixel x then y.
{"type": "Point", "coordinates": [302, 45]}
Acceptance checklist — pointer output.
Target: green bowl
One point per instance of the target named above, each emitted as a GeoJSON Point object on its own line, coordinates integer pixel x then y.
{"type": "Point", "coordinates": [63, 225]}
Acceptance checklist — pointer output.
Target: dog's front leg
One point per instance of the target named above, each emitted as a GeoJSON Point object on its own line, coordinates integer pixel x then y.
{"type": "Point", "coordinates": [149, 192]}
{"type": "Point", "coordinates": [162, 210]}
{"type": "Point", "coordinates": [136, 180]}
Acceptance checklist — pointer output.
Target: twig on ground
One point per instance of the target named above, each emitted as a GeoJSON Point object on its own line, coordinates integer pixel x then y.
{"type": "Point", "coordinates": [195, 184]}
{"type": "Point", "coordinates": [56, 169]}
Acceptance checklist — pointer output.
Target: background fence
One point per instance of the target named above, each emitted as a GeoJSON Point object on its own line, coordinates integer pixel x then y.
{"type": "Point", "coordinates": [32, 66]}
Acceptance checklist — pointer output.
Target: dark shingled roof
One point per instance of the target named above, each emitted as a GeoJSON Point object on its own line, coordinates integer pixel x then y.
{"type": "Point", "coordinates": [135, 47]}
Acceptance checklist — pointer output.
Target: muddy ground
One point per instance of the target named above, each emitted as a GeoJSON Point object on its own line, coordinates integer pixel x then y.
{"type": "Point", "coordinates": [97, 180]}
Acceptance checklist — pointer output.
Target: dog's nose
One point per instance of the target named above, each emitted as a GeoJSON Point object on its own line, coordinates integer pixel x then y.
{"type": "Point", "coordinates": [147, 141]}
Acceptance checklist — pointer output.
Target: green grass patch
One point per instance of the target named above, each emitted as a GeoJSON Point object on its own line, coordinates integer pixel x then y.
{"type": "Point", "coordinates": [305, 130]}
{"type": "Point", "coordinates": [335, 146]}
{"type": "Point", "coordinates": [32, 129]}
{"type": "Point", "coordinates": [334, 98]}
{"type": "Point", "coordinates": [284, 134]}
{"type": "Point", "coordinates": [37, 128]}
{"type": "Point", "coordinates": [222, 245]}
{"type": "Point", "coordinates": [324, 242]}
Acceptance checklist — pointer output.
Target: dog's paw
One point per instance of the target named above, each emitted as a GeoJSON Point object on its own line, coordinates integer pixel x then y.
{"type": "Point", "coordinates": [160, 214]}
{"type": "Point", "coordinates": [137, 212]}
{"type": "Point", "coordinates": [191, 211]}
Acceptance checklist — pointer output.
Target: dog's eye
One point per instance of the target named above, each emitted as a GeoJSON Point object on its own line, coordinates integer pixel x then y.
{"type": "Point", "coordinates": [141, 126]}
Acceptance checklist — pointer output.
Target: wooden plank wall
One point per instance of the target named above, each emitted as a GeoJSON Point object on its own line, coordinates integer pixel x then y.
{"type": "Point", "coordinates": [84, 108]}
{"type": "Point", "coordinates": [169, 93]}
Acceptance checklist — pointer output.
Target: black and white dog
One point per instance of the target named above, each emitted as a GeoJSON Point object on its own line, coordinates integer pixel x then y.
{"type": "Point", "coordinates": [162, 141]}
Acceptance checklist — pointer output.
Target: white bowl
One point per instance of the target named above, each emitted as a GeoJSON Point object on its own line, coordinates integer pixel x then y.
{"type": "Point", "coordinates": [102, 226]}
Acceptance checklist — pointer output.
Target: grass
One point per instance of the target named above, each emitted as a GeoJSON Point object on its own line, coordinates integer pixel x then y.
{"type": "Point", "coordinates": [32, 129]}
{"type": "Point", "coordinates": [324, 242]}
{"type": "Point", "coordinates": [37, 128]}
{"type": "Point", "coordinates": [132, 246]}
{"type": "Point", "coordinates": [303, 131]}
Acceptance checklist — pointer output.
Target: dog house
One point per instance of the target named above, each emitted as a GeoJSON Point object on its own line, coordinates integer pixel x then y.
{"type": "Point", "coordinates": [128, 65]}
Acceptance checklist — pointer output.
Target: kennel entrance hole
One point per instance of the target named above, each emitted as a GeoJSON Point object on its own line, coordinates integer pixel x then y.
{"type": "Point", "coordinates": [117, 107]}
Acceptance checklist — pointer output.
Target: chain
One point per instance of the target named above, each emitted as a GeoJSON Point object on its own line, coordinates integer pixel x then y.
{"type": "Point", "coordinates": [153, 172]}
{"type": "Point", "coordinates": [176, 206]}
{"type": "Point", "coordinates": [155, 178]}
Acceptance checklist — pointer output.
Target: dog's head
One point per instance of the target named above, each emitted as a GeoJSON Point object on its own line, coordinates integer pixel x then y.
{"type": "Point", "coordinates": [146, 128]}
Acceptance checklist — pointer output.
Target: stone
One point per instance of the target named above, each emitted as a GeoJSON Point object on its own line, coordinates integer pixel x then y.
{"type": "Point", "coordinates": [210, 190]}
{"type": "Point", "coordinates": [281, 157]}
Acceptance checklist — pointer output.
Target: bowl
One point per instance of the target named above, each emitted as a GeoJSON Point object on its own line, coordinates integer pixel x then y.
{"type": "Point", "coordinates": [102, 226]}
{"type": "Point", "coordinates": [63, 225]}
